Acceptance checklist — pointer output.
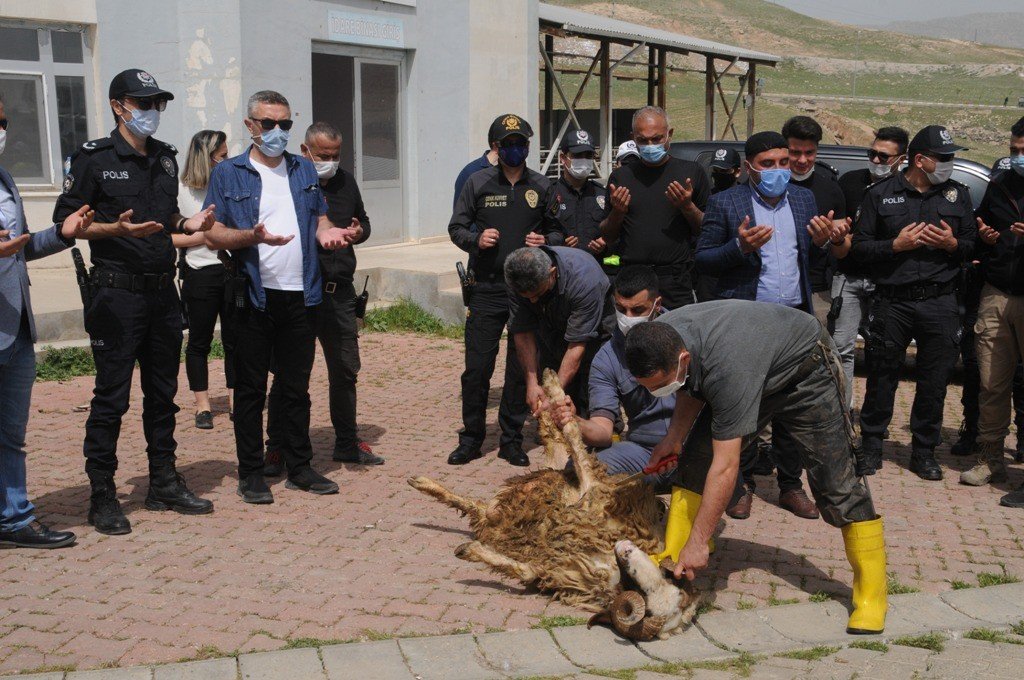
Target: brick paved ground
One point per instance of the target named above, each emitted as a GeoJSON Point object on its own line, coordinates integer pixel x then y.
{"type": "Point", "coordinates": [377, 559]}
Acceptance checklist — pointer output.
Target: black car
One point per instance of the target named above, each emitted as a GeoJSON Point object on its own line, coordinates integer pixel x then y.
{"type": "Point", "coordinates": [842, 158]}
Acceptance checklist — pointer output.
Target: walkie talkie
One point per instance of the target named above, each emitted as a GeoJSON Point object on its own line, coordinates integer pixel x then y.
{"type": "Point", "coordinates": [361, 300]}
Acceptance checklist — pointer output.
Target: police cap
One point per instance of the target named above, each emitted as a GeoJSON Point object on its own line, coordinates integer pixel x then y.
{"type": "Point", "coordinates": [577, 142]}
{"type": "Point", "coordinates": [725, 159]}
{"type": "Point", "coordinates": [508, 124]}
{"type": "Point", "coordinates": [136, 83]}
{"type": "Point", "coordinates": [626, 149]}
{"type": "Point", "coordinates": [934, 139]}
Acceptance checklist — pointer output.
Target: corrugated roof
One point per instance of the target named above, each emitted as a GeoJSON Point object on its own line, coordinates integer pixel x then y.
{"type": "Point", "coordinates": [586, 24]}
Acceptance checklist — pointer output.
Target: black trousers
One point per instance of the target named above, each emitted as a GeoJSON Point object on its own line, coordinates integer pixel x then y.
{"type": "Point", "coordinates": [972, 377]}
{"type": "Point", "coordinates": [203, 292]}
{"type": "Point", "coordinates": [675, 285]}
{"type": "Point", "coordinates": [486, 319]}
{"type": "Point", "coordinates": [338, 334]}
{"type": "Point", "coordinates": [810, 414]}
{"type": "Point", "coordinates": [935, 325]}
{"type": "Point", "coordinates": [284, 332]}
{"type": "Point", "coordinates": [788, 467]}
{"type": "Point", "coordinates": [125, 327]}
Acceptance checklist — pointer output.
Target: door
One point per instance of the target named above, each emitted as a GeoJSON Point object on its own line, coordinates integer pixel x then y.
{"type": "Point", "coordinates": [362, 96]}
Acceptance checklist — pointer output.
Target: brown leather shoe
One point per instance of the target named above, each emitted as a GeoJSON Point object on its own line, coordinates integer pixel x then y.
{"type": "Point", "coordinates": [797, 502]}
{"type": "Point", "coordinates": [741, 510]}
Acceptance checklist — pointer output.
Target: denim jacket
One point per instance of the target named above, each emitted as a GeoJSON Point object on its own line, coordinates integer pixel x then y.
{"type": "Point", "coordinates": [235, 189]}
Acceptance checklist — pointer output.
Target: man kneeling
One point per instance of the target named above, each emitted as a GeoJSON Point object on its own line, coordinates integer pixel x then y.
{"type": "Point", "coordinates": [613, 389]}
{"type": "Point", "coordinates": [752, 364]}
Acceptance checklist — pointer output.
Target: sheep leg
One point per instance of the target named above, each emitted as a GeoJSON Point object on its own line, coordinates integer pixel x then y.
{"type": "Point", "coordinates": [582, 461]}
{"type": "Point", "coordinates": [556, 454]}
{"type": "Point", "coordinates": [475, 551]}
{"type": "Point", "coordinates": [467, 506]}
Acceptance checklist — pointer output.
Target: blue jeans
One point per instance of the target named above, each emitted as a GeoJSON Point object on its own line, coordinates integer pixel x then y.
{"type": "Point", "coordinates": [17, 373]}
{"type": "Point", "coordinates": [629, 457]}
{"type": "Point", "coordinates": [856, 293]}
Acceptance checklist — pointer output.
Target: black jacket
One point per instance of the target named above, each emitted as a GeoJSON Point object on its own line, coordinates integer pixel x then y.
{"type": "Point", "coordinates": [1002, 264]}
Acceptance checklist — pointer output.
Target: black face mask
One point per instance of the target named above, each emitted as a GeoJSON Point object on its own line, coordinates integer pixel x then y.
{"type": "Point", "coordinates": [723, 180]}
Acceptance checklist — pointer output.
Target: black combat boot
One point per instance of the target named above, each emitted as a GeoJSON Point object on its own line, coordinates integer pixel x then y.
{"type": "Point", "coordinates": [167, 491]}
{"type": "Point", "coordinates": [104, 509]}
{"type": "Point", "coordinates": [964, 445]}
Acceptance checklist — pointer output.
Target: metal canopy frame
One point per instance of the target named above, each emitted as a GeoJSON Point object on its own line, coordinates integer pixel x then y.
{"type": "Point", "coordinates": [565, 23]}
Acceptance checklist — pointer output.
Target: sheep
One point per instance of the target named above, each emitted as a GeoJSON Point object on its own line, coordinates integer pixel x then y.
{"type": "Point", "coordinates": [557, 530]}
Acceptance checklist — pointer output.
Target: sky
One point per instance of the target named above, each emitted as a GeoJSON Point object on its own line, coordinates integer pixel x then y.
{"type": "Point", "coordinates": [876, 12]}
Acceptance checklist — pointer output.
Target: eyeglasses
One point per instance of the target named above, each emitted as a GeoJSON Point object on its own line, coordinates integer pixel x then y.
{"type": "Point", "coordinates": [147, 104]}
{"type": "Point", "coordinates": [881, 157]}
{"type": "Point", "coordinates": [3, 123]}
{"type": "Point", "coordinates": [269, 123]}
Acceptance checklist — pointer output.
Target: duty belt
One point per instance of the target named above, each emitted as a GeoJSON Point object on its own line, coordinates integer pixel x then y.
{"type": "Point", "coordinates": [917, 292]}
{"type": "Point", "coordinates": [136, 283]}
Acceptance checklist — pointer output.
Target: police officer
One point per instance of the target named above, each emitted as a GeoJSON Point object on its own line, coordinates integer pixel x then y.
{"type": "Point", "coordinates": [506, 205]}
{"type": "Point", "coordinates": [725, 169]}
{"type": "Point", "coordinates": [914, 229]}
{"type": "Point", "coordinates": [131, 181]}
{"type": "Point", "coordinates": [575, 201]}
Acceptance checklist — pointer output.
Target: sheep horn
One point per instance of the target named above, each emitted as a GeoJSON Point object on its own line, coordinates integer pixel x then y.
{"type": "Point", "coordinates": [600, 617]}
{"type": "Point", "coordinates": [628, 609]}
{"type": "Point", "coordinates": [648, 629]}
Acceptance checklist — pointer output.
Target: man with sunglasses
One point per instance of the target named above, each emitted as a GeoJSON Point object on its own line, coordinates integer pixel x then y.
{"type": "Point", "coordinates": [271, 213]}
{"type": "Point", "coordinates": [853, 284]}
{"type": "Point", "coordinates": [914, 230]}
{"type": "Point", "coordinates": [500, 209]}
{"type": "Point", "coordinates": [131, 180]}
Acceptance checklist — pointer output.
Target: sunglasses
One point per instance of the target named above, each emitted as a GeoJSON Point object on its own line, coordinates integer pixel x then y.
{"type": "Point", "coordinates": [3, 123]}
{"type": "Point", "coordinates": [269, 123]}
{"type": "Point", "coordinates": [939, 158]}
{"type": "Point", "coordinates": [147, 104]}
{"type": "Point", "coordinates": [511, 142]}
{"type": "Point", "coordinates": [881, 157]}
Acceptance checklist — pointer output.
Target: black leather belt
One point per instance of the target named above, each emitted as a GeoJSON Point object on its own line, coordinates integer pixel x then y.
{"type": "Point", "coordinates": [917, 292]}
{"type": "Point", "coordinates": [136, 283]}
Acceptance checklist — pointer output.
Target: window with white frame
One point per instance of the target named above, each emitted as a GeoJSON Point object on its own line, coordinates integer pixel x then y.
{"type": "Point", "coordinates": [42, 83]}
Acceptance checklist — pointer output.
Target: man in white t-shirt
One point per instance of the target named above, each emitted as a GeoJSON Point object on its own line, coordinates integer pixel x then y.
{"type": "Point", "coordinates": [271, 214]}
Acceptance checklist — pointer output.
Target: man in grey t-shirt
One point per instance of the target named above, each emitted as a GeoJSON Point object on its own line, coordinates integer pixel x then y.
{"type": "Point", "coordinates": [734, 366]}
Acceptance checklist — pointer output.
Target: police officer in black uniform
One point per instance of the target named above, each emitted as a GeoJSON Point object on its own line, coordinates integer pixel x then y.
{"type": "Point", "coordinates": [725, 169]}
{"type": "Point", "coordinates": [131, 180]}
{"type": "Point", "coordinates": [915, 230]}
{"type": "Point", "coordinates": [506, 205]}
{"type": "Point", "coordinates": [575, 201]}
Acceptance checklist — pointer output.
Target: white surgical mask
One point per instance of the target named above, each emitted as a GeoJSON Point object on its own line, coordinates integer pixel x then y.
{"type": "Point", "coordinates": [797, 177]}
{"type": "Point", "coordinates": [326, 169]}
{"type": "Point", "coordinates": [580, 168]}
{"type": "Point", "coordinates": [625, 323]}
{"type": "Point", "coordinates": [882, 170]}
{"type": "Point", "coordinates": [3, 140]}
{"type": "Point", "coordinates": [943, 171]}
{"type": "Point", "coordinates": [143, 123]}
{"type": "Point", "coordinates": [671, 388]}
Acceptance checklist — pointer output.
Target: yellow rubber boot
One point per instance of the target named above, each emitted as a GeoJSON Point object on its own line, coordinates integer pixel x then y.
{"type": "Point", "coordinates": [865, 548]}
{"type": "Point", "coordinates": [682, 510]}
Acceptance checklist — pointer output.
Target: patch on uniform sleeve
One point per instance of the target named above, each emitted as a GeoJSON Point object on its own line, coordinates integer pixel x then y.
{"type": "Point", "coordinates": [89, 145]}
{"type": "Point", "coordinates": [600, 201]}
{"type": "Point", "coordinates": [69, 182]}
{"type": "Point", "coordinates": [168, 166]}
{"type": "Point", "coordinates": [951, 194]}
{"type": "Point", "coordinates": [531, 198]}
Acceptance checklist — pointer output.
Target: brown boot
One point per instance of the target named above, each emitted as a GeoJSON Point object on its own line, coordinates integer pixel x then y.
{"type": "Point", "coordinates": [990, 467]}
{"type": "Point", "coordinates": [741, 509]}
{"type": "Point", "coordinates": [797, 502]}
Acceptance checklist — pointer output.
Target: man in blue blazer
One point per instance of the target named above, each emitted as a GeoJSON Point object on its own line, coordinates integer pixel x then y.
{"type": "Point", "coordinates": [18, 525]}
{"type": "Point", "coordinates": [755, 242]}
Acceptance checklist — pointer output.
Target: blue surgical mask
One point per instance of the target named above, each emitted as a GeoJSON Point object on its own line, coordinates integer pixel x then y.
{"type": "Point", "coordinates": [652, 153]}
{"type": "Point", "coordinates": [273, 142]}
{"type": "Point", "coordinates": [514, 156]}
{"type": "Point", "coordinates": [143, 123]}
{"type": "Point", "coordinates": [773, 182]}
{"type": "Point", "coordinates": [1017, 164]}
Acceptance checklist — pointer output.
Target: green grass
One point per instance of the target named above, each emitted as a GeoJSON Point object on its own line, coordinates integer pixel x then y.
{"type": "Point", "coordinates": [549, 622]}
{"type": "Point", "coordinates": [308, 643]}
{"type": "Point", "coordinates": [873, 645]}
{"type": "Point", "coordinates": [932, 641]}
{"type": "Point", "coordinates": [745, 604]}
{"type": "Point", "coordinates": [208, 652]}
{"type": "Point", "coordinates": [739, 665]}
{"type": "Point", "coordinates": [777, 602]}
{"type": "Point", "coordinates": [813, 654]}
{"type": "Point", "coordinates": [820, 596]}
{"type": "Point", "coordinates": [1017, 628]}
{"type": "Point", "coordinates": [894, 587]}
{"type": "Point", "coordinates": [986, 579]}
{"type": "Point", "coordinates": [407, 316]}
{"type": "Point", "coordinates": [618, 675]}
{"type": "Point", "coordinates": [64, 363]}
{"type": "Point", "coordinates": [960, 585]}
{"type": "Point", "coordinates": [55, 668]}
